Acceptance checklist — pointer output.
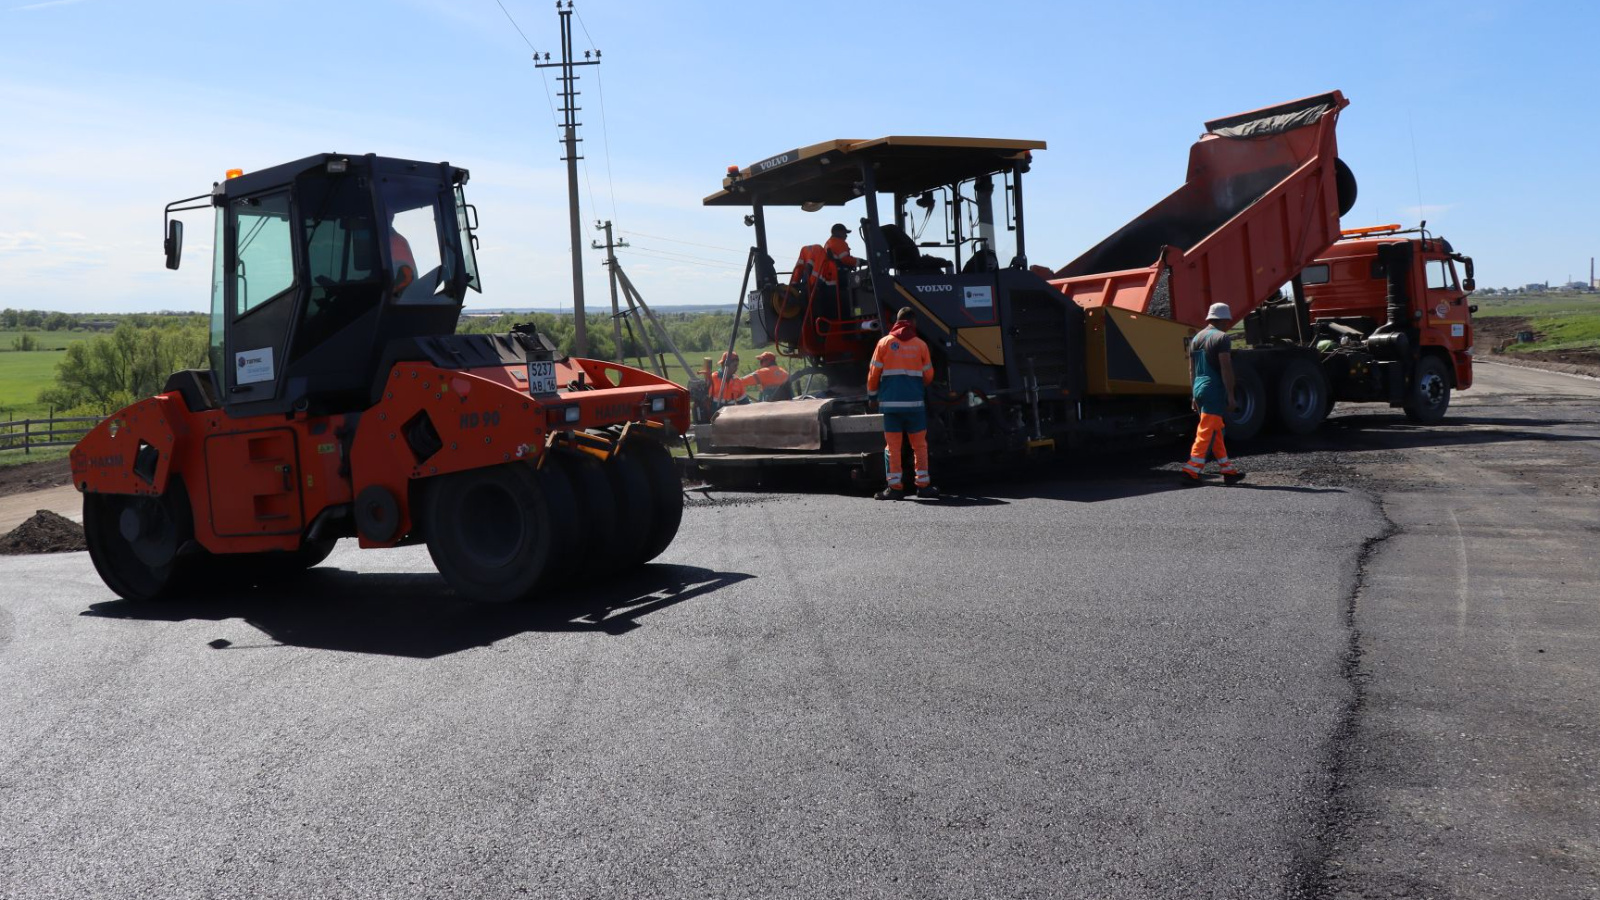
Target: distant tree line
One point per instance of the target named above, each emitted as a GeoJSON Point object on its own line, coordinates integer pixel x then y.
{"type": "Point", "coordinates": [106, 372]}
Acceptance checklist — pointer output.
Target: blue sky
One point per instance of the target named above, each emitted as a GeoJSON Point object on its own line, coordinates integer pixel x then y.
{"type": "Point", "coordinates": [1478, 116]}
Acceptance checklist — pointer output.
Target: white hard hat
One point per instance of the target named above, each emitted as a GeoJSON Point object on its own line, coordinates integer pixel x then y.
{"type": "Point", "coordinates": [1220, 311]}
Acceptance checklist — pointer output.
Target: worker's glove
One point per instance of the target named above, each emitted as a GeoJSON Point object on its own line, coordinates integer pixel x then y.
{"type": "Point", "coordinates": [872, 403]}
{"type": "Point", "coordinates": [1194, 405]}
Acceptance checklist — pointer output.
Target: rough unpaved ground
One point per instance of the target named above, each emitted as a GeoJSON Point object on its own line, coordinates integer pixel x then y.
{"type": "Point", "coordinates": [22, 478]}
{"type": "Point", "coordinates": [1492, 333]}
{"type": "Point", "coordinates": [45, 532]}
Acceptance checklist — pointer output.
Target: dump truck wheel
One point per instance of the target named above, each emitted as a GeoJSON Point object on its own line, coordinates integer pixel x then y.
{"type": "Point", "coordinates": [1429, 395]}
{"type": "Point", "coordinates": [1302, 397]}
{"type": "Point", "coordinates": [134, 541]}
{"type": "Point", "coordinates": [1246, 423]}
{"type": "Point", "coordinates": [666, 493]}
{"type": "Point", "coordinates": [635, 506]}
{"type": "Point", "coordinates": [489, 531]}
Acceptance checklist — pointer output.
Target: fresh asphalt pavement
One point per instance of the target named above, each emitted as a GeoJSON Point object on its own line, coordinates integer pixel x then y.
{"type": "Point", "coordinates": [1094, 685]}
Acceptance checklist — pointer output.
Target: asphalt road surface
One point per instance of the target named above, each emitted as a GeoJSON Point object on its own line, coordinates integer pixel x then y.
{"type": "Point", "coordinates": [1370, 670]}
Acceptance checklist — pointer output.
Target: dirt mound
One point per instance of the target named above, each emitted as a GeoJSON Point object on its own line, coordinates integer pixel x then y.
{"type": "Point", "coordinates": [44, 532]}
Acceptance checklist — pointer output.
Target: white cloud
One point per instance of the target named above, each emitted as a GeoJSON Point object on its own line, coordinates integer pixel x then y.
{"type": "Point", "coordinates": [45, 4]}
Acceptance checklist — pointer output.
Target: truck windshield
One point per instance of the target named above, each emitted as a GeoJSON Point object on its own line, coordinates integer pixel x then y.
{"type": "Point", "coordinates": [1441, 275]}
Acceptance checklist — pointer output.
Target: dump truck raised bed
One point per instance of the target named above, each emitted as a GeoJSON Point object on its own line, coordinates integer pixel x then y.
{"type": "Point", "coordinates": [1029, 358]}
{"type": "Point", "coordinates": [339, 402]}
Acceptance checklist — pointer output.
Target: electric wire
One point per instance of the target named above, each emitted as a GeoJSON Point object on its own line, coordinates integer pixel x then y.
{"type": "Point", "coordinates": [657, 237]}
{"type": "Point", "coordinates": [554, 120]}
{"type": "Point", "coordinates": [720, 262]}
{"type": "Point", "coordinates": [686, 260]}
{"type": "Point", "coordinates": [605, 131]}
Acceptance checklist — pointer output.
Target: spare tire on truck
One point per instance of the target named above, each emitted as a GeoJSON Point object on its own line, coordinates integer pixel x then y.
{"type": "Point", "coordinates": [1245, 422]}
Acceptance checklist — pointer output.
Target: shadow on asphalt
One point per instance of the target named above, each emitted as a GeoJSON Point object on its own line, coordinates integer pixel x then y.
{"type": "Point", "coordinates": [415, 615]}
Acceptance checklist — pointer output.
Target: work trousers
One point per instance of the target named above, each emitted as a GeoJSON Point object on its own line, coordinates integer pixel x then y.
{"type": "Point", "coordinates": [1208, 439]}
{"type": "Point", "coordinates": [897, 425]}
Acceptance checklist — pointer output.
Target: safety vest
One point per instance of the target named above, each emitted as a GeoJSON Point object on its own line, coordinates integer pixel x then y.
{"type": "Point", "coordinates": [836, 251]}
{"type": "Point", "coordinates": [768, 377]}
{"type": "Point", "coordinates": [405, 264]}
{"type": "Point", "coordinates": [901, 368]}
{"type": "Point", "coordinates": [732, 392]}
{"type": "Point", "coordinates": [808, 267]}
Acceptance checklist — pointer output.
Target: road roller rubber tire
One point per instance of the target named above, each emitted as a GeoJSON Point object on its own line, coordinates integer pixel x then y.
{"type": "Point", "coordinates": [666, 491]}
{"type": "Point", "coordinates": [490, 531]}
{"type": "Point", "coordinates": [635, 506]}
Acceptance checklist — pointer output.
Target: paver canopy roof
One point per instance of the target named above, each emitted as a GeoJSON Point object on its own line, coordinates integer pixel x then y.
{"type": "Point", "coordinates": [827, 173]}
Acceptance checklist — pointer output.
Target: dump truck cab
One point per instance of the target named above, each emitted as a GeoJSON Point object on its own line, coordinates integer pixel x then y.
{"type": "Point", "coordinates": [322, 266]}
{"type": "Point", "coordinates": [1348, 285]}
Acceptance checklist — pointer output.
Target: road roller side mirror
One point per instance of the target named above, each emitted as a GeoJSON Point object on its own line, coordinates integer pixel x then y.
{"type": "Point", "coordinates": [174, 243]}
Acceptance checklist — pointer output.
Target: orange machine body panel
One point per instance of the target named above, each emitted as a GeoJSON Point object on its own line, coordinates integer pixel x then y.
{"type": "Point", "coordinates": [256, 483]}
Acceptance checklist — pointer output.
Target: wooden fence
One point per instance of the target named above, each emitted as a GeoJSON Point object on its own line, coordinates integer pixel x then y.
{"type": "Point", "coordinates": [26, 434]}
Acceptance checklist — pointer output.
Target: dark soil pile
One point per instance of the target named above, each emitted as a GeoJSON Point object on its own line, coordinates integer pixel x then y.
{"type": "Point", "coordinates": [45, 532]}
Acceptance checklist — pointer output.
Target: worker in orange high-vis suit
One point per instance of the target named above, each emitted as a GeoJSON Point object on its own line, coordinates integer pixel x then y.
{"type": "Point", "coordinates": [836, 253]}
{"type": "Point", "coordinates": [901, 371]}
{"type": "Point", "coordinates": [405, 263]}
{"type": "Point", "coordinates": [768, 376]}
{"type": "Point", "coordinates": [726, 385]}
{"type": "Point", "coordinates": [1211, 371]}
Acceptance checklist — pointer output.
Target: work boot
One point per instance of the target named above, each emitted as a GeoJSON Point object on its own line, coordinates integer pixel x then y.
{"type": "Point", "coordinates": [890, 494]}
{"type": "Point", "coordinates": [1187, 480]}
{"type": "Point", "coordinates": [928, 493]}
{"type": "Point", "coordinates": [1235, 478]}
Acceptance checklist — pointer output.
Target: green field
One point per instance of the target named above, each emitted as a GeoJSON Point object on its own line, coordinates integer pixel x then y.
{"type": "Point", "coordinates": [1562, 321]}
{"type": "Point", "coordinates": [22, 377]}
{"type": "Point", "coordinates": [48, 340]}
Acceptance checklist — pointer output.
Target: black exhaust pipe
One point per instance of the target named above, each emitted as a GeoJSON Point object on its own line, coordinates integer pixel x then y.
{"type": "Point", "coordinates": [1392, 340]}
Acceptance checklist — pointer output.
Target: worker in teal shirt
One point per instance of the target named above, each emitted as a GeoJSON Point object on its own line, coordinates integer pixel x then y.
{"type": "Point", "coordinates": [1211, 371]}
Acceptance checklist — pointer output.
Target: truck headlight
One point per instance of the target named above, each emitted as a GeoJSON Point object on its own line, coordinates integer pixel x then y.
{"type": "Point", "coordinates": [658, 404]}
{"type": "Point", "coordinates": [571, 414]}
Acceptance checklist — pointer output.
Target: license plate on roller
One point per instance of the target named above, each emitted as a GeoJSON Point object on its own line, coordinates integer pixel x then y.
{"type": "Point", "coordinates": [541, 377]}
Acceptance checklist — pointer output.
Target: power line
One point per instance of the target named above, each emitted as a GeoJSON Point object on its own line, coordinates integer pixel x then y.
{"type": "Point", "coordinates": [692, 261]}
{"type": "Point", "coordinates": [542, 77]}
{"type": "Point", "coordinates": [720, 262]}
{"type": "Point", "coordinates": [605, 132]}
{"type": "Point", "coordinates": [658, 237]}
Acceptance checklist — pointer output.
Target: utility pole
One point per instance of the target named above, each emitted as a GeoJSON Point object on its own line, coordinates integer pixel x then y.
{"type": "Point", "coordinates": [569, 110]}
{"type": "Point", "coordinates": [610, 247]}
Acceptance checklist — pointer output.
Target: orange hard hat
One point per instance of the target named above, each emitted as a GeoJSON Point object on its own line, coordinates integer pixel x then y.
{"type": "Point", "coordinates": [729, 357]}
{"type": "Point", "coordinates": [767, 357]}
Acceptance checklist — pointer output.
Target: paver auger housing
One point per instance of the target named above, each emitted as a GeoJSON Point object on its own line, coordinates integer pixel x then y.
{"type": "Point", "coordinates": [339, 402]}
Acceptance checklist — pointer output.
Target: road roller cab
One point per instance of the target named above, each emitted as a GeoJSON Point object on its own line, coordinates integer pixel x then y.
{"type": "Point", "coordinates": [339, 402]}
